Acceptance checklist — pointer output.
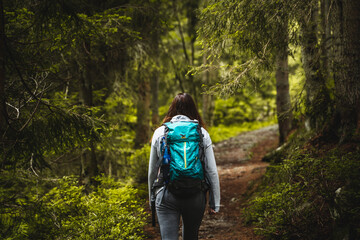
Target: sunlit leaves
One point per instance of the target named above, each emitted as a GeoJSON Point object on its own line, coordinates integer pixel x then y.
{"type": "Point", "coordinates": [246, 30]}
{"type": "Point", "coordinates": [112, 211]}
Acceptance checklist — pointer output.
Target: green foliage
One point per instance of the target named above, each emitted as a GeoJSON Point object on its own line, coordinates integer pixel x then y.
{"type": "Point", "coordinates": [120, 112]}
{"type": "Point", "coordinates": [275, 211]}
{"type": "Point", "coordinates": [49, 133]}
{"type": "Point", "coordinates": [247, 32]}
{"type": "Point", "coordinates": [309, 196]}
{"type": "Point", "coordinates": [249, 108]}
{"type": "Point", "coordinates": [222, 132]}
{"type": "Point", "coordinates": [112, 211]}
{"type": "Point", "coordinates": [134, 166]}
{"type": "Point", "coordinates": [139, 164]}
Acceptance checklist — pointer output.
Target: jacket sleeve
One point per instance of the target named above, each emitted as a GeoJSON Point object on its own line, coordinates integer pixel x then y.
{"type": "Point", "coordinates": [212, 175]}
{"type": "Point", "coordinates": [152, 172]}
{"type": "Point", "coordinates": [154, 157]}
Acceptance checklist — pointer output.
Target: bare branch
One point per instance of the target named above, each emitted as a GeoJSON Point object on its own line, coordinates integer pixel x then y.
{"type": "Point", "coordinates": [17, 109]}
{"type": "Point", "coordinates": [33, 113]}
{"type": "Point", "coordinates": [31, 165]}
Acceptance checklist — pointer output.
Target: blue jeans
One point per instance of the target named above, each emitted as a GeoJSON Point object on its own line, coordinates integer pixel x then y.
{"type": "Point", "coordinates": [169, 208]}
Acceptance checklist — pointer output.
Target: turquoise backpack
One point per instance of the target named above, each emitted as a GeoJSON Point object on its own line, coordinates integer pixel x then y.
{"type": "Point", "coordinates": [182, 159]}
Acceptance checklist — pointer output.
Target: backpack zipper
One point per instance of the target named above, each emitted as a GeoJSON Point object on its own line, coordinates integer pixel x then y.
{"type": "Point", "coordinates": [185, 153]}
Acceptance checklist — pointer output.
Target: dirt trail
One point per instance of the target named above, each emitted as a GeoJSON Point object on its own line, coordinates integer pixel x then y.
{"type": "Point", "coordinates": [239, 165]}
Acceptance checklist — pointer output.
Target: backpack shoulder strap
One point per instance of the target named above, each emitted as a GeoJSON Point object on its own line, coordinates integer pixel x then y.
{"type": "Point", "coordinates": [206, 185]}
{"type": "Point", "coordinates": [163, 169]}
{"type": "Point", "coordinates": [201, 148]}
{"type": "Point", "coordinates": [163, 145]}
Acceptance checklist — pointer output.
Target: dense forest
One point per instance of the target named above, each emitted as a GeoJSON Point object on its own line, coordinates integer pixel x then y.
{"type": "Point", "coordinates": [84, 83]}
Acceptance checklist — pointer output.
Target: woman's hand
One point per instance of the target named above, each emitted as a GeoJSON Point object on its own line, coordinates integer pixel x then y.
{"type": "Point", "coordinates": [212, 211]}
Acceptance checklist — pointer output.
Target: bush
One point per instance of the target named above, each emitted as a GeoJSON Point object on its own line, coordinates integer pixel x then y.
{"type": "Point", "coordinates": [280, 211]}
{"type": "Point", "coordinates": [139, 164]}
{"type": "Point", "coordinates": [112, 211]}
{"type": "Point", "coordinates": [309, 196]}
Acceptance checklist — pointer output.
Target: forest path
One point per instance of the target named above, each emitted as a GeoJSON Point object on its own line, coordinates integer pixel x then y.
{"type": "Point", "coordinates": [239, 166]}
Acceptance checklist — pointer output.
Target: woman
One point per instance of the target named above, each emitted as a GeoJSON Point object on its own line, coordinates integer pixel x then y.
{"type": "Point", "coordinates": [169, 207]}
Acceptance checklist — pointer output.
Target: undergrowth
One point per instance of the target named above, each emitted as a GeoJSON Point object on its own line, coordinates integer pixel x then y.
{"type": "Point", "coordinates": [223, 132]}
{"type": "Point", "coordinates": [113, 210]}
{"type": "Point", "coordinates": [309, 192]}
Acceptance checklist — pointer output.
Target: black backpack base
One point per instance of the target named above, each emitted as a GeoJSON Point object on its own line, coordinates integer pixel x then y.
{"type": "Point", "coordinates": [187, 187]}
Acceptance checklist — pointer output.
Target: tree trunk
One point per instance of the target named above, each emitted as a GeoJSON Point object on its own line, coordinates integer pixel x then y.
{"type": "Point", "coordinates": [325, 38]}
{"type": "Point", "coordinates": [3, 113]}
{"type": "Point", "coordinates": [347, 65]}
{"type": "Point", "coordinates": [208, 109]}
{"type": "Point", "coordinates": [208, 100]}
{"type": "Point", "coordinates": [317, 97]}
{"type": "Point", "coordinates": [86, 75]}
{"type": "Point", "coordinates": [192, 22]}
{"type": "Point", "coordinates": [143, 110]}
{"type": "Point", "coordinates": [89, 168]}
{"type": "Point", "coordinates": [283, 103]}
{"type": "Point", "coordinates": [154, 82]}
{"type": "Point", "coordinates": [85, 93]}
{"type": "Point", "coordinates": [88, 160]}
{"type": "Point", "coordinates": [155, 120]}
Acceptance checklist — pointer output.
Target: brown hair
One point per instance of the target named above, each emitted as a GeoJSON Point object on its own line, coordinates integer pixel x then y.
{"type": "Point", "coordinates": [183, 104]}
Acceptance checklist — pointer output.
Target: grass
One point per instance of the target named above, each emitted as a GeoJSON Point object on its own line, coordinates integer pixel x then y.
{"type": "Point", "coordinates": [222, 132]}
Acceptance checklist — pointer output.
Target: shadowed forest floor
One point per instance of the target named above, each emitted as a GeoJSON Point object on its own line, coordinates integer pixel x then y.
{"type": "Point", "coordinates": [240, 167]}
